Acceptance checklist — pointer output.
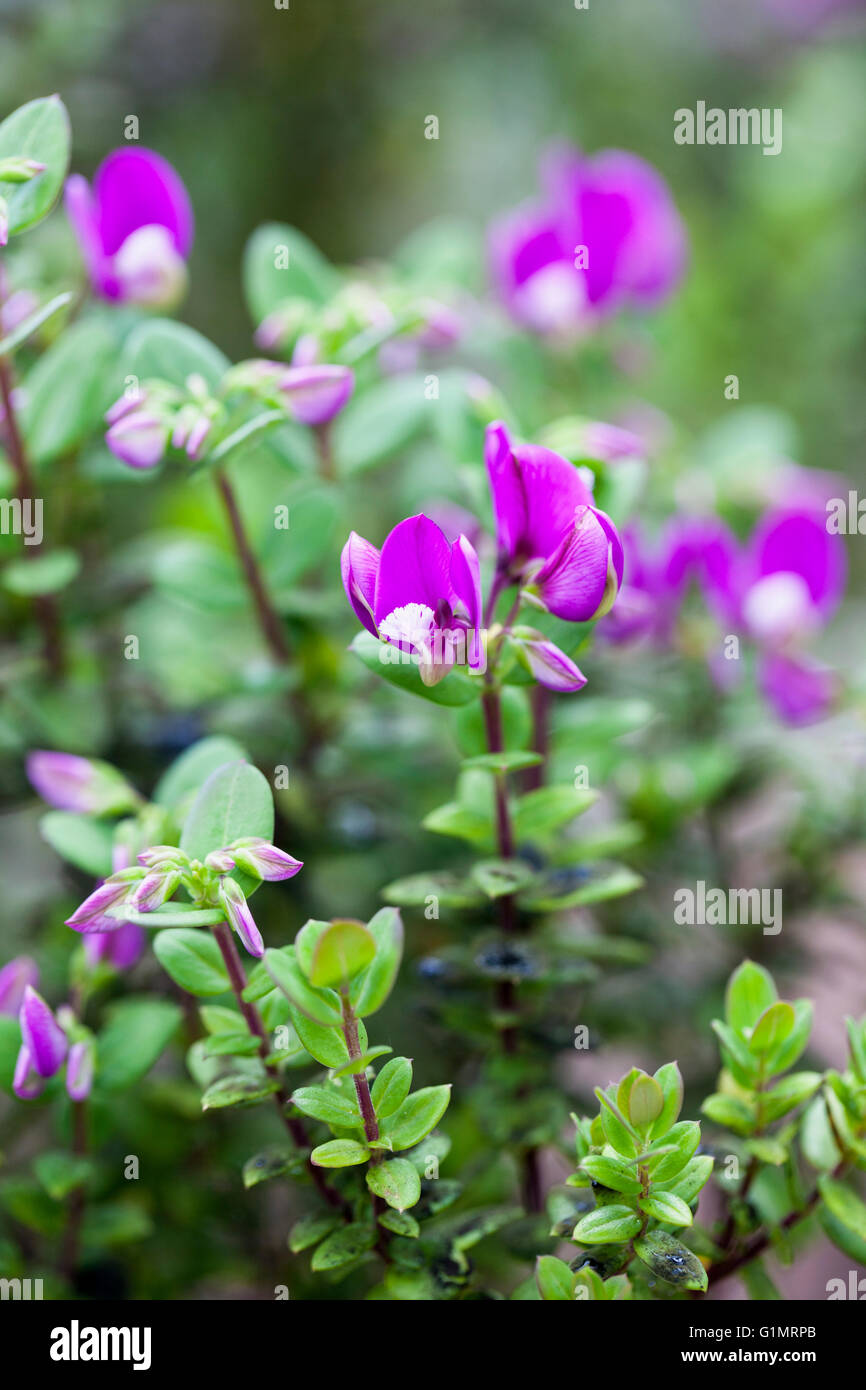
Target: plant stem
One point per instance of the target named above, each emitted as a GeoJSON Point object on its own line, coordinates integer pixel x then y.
{"type": "Point", "coordinates": [362, 1089]}
{"type": "Point", "coordinates": [252, 1018]}
{"type": "Point", "coordinates": [761, 1240]}
{"type": "Point", "coordinates": [326, 452]}
{"type": "Point", "coordinates": [541, 703]}
{"type": "Point", "coordinates": [269, 620]}
{"type": "Point", "coordinates": [44, 605]}
{"type": "Point", "coordinates": [77, 1198]}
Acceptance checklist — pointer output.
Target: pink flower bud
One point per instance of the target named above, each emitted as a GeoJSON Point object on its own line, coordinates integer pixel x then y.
{"type": "Point", "coordinates": [14, 979]}
{"type": "Point", "coordinates": [263, 860]}
{"type": "Point", "coordinates": [138, 439]}
{"type": "Point", "coordinates": [236, 909]}
{"type": "Point", "coordinates": [92, 914]}
{"type": "Point", "coordinates": [41, 1034]}
{"type": "Point", "coordinates": [79, 1070]}
{"type": "Point", "coordinates": [79, 784]}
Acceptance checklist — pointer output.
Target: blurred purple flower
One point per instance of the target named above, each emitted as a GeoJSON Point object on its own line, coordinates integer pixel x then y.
{"type": "Point", "coordinates": [139, 438]}
{"type": "Point", "coordinates": [134, 227]}
{"type": "Point", "coordinates": [419, 594]}
{"type": "Point", "coordinates": [41, 1034]}
{"type": "Point", "coordinates": [119, 949]}
{"type": "Point", "coordinates": [311, 394]}
{"type": "Point", "coordinates": [79, 1071]}
{"type": "Point", "coordinates": [71, 783]}
{"type": "Point", "coordinates": [606, 233]}
{"type": "Point", "coordinates": [14, 979]}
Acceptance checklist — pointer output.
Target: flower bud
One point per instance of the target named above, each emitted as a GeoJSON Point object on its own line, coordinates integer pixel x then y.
{"type": "Point", "coordinates": [263, 860]}
{"type": "Point", "coordinates": [138, 439]}
{"type": "Point", "coordinates": [237, 911]}
{"type": "Point", "coordinates": [79, 784]}
{"type": "Point", "coordinates": [26, 1082]}
{"type": "Point", "coordinates": [41, 1034]}
{"type": "Point", "coordinates": [155, 888]}
{"type": "Point", "coordinates": [149, 269]}
{"type": "Point", "coordinates": [92, 914]}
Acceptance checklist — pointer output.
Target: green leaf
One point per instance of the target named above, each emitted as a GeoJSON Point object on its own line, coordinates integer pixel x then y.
{"type": "Point", "coordinates": [39, 130]}
{"type": "Point", "coordinates": [617, 1133]}
{"type": "Point", "coordinates": [843, 1238]}
{"type": "Point", "coordinates": [772, 1028]}
{"type": "Point", "coordinates": [600, 884]}
{"type": "Point", "coordinates": [743, 1065]}
{"type": "Point", "coordinates": [182, 779]}
{"type": "Point", "coordinates": [41, 574]}
{"type": "Point", "coordinates": [730, 1112]}
{"type": "Point", "coordinates": [321, 1005]}
{"type": "Point", "coordinates": [31, 322]}
{"type": "Point", "coordinates": [666, 1207]}
{"type": "Point", "coordinates": [415, 891]}
{"type": "Point", "coordinates": [415, 1118]}
{"type": "Point", "coordinates": [172, 915]}
{"type": "Point", "coordinates": [554, 1279]}
{"type": "Point", "coordinates": [370, 990]}
{"type": "Point", "coordinates": [196, 573]}
{"type": "Point", "coordinates": [613, 1173]}
{"type": "Point", "coordinates": [503, 762]}
{"type": "Point", "coordinates": [341, 952]}
{"type": "Point", "coordinates": [81, 840]}
{"type": "Point", "coordinates": [273, 1162]}
{"type": "Point", "coordinates": [311, 1229]}
{"type": "Point", "coordinates": [685, 1138]}
{"type": "Point", "coordinates": [391, 1087]}
{"type": "Point", "coordinates": [356, 1065]}
{"type": "Point", "coordinates": [749, 993]}
{"type": "Point", "coordinates": [68, 389]}
{"type": "Point", "coordinates": [192, 958]}
{"type": "Point", "coordinates": [844, 1205]}
{"type": "Point", "coordinates": [340, 1153]}
{"type": "Point", "coordinates": [326, 1104]}
{"type": "Point", "coordinates": [281, 263]}
{"type": "Point", "coordinates": [401, 669]}
{"type": "Point", "coordinates": [400, 1223]}
{"type": "Point", "coordinates": [611, 1225]}
{"type": "Point", "coordinates": [326, 1045]}
{"type": "Point", "coordinates": [344, 1247]}
{"type": "Point", "coordinates": [396, 1182]}
{"type": "Point", "coordinates": [645, 1102]}
{"type": "Point", "coordinates": [498, 878]}
{"type": "Point", "coordinates": [538, 813]}
{"type": "Point", "coordinates": [817, 1138]}
{"type": "Point", "coordinates": [671, 1082]}
{"type": "Point", "coordinates": [380, 422]}
{"type": "Point", "coordinates": [787, 1094]}
{"type": "Point", "coordinates": [241, 1089]}
{"type": "Point", "coordinates": [689, 1182]}
{"type": "Point", "coordinates": [234, 803]}
{"type": "Point", "coordinates": [789, 1051]}
{"type": "Point", "coordinates": [61, 1173]}
{"type": "Point", "coordinates": [672, 1261]}
{"type": "Point", "coordinates": [462, 822]}
{"type": "Point", "coordinates": [163, 350]}
{"type": "Point", "coordinates": [136, 1033]}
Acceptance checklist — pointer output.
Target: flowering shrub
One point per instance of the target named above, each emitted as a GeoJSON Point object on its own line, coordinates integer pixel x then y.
{"type": "Point", "coordinates": [554, 680]}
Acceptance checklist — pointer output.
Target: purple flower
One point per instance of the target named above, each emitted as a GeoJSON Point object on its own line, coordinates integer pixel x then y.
{"type": "Point", "coordinates": [237, 911]}
{"type": "Point", "coordinates": [119, 949]}
{"type": "Point", "coordinates": [14, 979]}
{"type": "Point", "coordinates": [134, 227]}
{"type": "Point", "coordinates": [139, 438]}
{"type": "Point", "coordinates": [606, 233]}
{"type": "Point", "coordinates": [154, 889]}
{"type": "Point", "coordinates": [263, 860]}
{"type": "Point", "coordinates": [79, 784]}
{"type": "Point", "coordinates": [550, 537]}
{"type": "Point", "coordinates": [419, 594]}
{"type": "Point", "coordinates": [41, 1034]}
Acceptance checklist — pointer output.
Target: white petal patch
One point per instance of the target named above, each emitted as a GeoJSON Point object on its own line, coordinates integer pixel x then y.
{"type": "Point", "coordinates": [409, 626]}
{"type": "Point", "coordinates": [778, 606]}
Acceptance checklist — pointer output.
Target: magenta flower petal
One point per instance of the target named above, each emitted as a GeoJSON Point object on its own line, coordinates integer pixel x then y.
{"type": "Point", "coordinates": [14, 979]}
{"type": "Point", "coordinates": [573, 581]}
{"type": "Point", "coordinates": [42, 1035]}
{"type": "Point", "coordinates": [26, 1083]}
{"type": "Point", "coordinates": [135, 187]}
{"type": "Point", "coordinates": [414, 568]}
{"type": "Point", "coordinates": [359, 564]}
{"type": "Point", "coordinates": [91, 916]}
{"type": "Point", "coordinates": [800, 690]}
{"type": "Point", "coordinates": [466, 580]}
{"type": "Point", "coordinates": [550, 666]}
{"type": "Point", "coordinates": [506, 491]}
{"type": "Point", "coordinates": [315, 394]}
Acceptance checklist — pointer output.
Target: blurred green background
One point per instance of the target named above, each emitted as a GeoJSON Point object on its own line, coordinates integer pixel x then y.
{"type": "Point", "coordinates": [315, 115]}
